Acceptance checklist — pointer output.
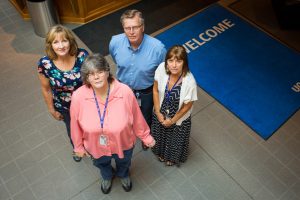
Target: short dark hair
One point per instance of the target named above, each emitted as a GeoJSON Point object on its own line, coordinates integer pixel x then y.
{"type": "Point", "coordinates": [94, 62]}
{"type": "Point", "coordinates": [179, 53]}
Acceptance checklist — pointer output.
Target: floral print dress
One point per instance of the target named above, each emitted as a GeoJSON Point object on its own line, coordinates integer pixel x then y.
{"type": "Point", "coordinates": [63, 83]}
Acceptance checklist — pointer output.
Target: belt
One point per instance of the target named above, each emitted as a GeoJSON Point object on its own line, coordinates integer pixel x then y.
{"type": "Point", "coordinates": [144, 91]}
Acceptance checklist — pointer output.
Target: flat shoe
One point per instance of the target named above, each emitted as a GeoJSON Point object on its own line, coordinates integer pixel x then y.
{"type": "Point", "coordinates": [126, 184]}
{"type": "Point", "coordinates": [106, 186]}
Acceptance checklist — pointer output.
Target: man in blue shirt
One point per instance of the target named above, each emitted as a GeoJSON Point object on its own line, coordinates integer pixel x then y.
{"type": "Point", "coordinates": [137, 56]}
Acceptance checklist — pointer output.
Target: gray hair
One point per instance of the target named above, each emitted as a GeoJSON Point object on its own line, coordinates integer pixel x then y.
{"type": "Point", "coordinates": [129, 14]}
{"type": "Point", "coordinates": [92, 63]}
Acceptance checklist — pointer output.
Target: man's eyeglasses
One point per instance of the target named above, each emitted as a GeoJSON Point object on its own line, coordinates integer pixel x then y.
{"type": "Point", "coordinates": [133, 28]}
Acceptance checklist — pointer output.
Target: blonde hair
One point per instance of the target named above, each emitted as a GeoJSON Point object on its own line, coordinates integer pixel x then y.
{"type": "Point", "coordinates": [50, 37]}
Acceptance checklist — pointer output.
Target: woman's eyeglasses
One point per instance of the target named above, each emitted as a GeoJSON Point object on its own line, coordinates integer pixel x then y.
{"type": "Point", "coordinates": [98, 74]}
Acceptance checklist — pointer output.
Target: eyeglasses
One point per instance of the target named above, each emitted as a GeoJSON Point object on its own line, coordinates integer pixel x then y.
{"type": "Point", "coordinates": [98, 74]}
{"type": "Point", "coordinates": [133, 28]}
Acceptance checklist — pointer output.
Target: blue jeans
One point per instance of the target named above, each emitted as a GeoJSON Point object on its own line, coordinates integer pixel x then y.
{"type": "Point", "coordinates": [122, 165]}
{"type": "Point", "coordinates": [67, 121]}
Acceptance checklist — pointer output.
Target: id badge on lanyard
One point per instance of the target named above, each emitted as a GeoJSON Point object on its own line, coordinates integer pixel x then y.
{"type": "Point", "coordinates": [138, 98]}
{"type": "Point", "coordinates": [103, 140]}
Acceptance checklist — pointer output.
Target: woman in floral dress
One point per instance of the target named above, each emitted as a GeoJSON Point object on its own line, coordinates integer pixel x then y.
{"type": "Point", "coordinates": [59, 73]}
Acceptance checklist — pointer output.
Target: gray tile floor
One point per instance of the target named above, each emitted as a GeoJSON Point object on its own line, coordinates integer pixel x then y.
{"type": "Point", "coordinates": [227, 161]}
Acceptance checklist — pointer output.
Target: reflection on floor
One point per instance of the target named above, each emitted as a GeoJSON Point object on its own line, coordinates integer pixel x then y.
{"type": "Point", "coordinates": [227, 160]}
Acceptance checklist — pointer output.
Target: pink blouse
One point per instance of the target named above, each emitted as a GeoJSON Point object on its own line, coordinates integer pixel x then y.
{"type": "Point", "coordinates": [122, 123]}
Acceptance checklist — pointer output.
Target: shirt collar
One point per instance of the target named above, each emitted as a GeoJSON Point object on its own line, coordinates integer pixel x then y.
{"type": "Point", "coordinates": [129, 46]}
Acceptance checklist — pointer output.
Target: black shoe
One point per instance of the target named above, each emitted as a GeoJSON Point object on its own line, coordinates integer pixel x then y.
{"type": "Point", "coordinates": [106, 186]}
{"type": "Point", "coordinates": [126, 184]}
{"type": "Point", "coordinates": [144, 147]}
{"type": "Point", "coordinates": [76, 158]}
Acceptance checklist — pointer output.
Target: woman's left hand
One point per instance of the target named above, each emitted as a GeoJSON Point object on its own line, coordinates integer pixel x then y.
{"type": "Point", "coordinates": [167, 122]}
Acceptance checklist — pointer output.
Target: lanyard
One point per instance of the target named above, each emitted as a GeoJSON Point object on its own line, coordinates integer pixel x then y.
{"type": "Point", "coordinates": [105, 106]}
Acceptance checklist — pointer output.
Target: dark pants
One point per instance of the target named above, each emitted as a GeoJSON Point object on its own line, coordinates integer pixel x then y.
{"type": "Point", "coordinates": [147, 106]}
{"type": "Point", "coordinates": [67, 121]}
{"type": "Point", "coordinates": [122, 165]}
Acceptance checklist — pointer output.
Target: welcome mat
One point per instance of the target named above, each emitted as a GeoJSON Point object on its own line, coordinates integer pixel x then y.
{"type": "Point", "coordinates": [251, 74]}
{"type": "Point", "coordinates": [158, 14]}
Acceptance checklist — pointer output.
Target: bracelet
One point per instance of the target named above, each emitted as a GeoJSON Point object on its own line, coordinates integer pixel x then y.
{"type": "Point", "coordinates": [171, 120]}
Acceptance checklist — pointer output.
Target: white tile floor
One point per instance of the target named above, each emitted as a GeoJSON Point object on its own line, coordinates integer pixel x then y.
{"type": "Point", "coordinates": [227, 161]}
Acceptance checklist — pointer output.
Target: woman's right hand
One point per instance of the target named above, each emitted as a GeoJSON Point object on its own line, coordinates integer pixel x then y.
{"type": "Point", "coordinates": [57, 115]}
{"type": "Point", "coordinates": [151, 144]}
{"type": "Point", "coordinates": [160, 117]}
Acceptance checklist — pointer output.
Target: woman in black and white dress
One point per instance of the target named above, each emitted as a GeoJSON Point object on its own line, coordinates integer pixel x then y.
{"type": "Point", "coordinates": [174, 92]}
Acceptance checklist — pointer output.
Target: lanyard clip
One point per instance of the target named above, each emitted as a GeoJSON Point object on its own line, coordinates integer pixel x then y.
{"type": "Point", "coordinates": [137, 94]}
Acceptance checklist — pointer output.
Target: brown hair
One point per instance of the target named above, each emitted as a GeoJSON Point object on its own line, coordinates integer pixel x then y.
{"type": "Point", "coordinates": [179, 53]}
{"type": "Point", "coordinates": [129, 14]}
{"type": "Point", "coordinates": [50, 37]}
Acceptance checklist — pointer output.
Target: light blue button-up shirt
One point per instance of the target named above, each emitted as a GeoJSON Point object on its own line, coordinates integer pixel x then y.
{"type": "Point", "coordinates": [136, 68]}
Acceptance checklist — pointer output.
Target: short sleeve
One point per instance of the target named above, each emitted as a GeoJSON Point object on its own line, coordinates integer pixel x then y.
{"type": "Point", "coordinates": [82, 54]}
{"type": "Point", "coordinates": [43, 66]}
{"type": "Point", "coordinates": [163, 53]}
{"type": "Point", "coordinates": [191, 93]}
{"type": "Point", "coordinates": [112, 48]}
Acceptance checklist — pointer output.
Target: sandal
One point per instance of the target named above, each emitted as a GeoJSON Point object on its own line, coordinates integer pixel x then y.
{"type": "Point", "coordinates": [169, 163]}
{"type": "Point", "coordinates": [160, 159]}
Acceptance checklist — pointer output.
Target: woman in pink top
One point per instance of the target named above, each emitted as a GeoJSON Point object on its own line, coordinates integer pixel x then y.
{"type": "Point", "coordinates": [105, 120]}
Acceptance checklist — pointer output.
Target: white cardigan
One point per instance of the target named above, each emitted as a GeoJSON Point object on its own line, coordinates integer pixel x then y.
{"type": "Point", "coordinates": [188, 90]}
